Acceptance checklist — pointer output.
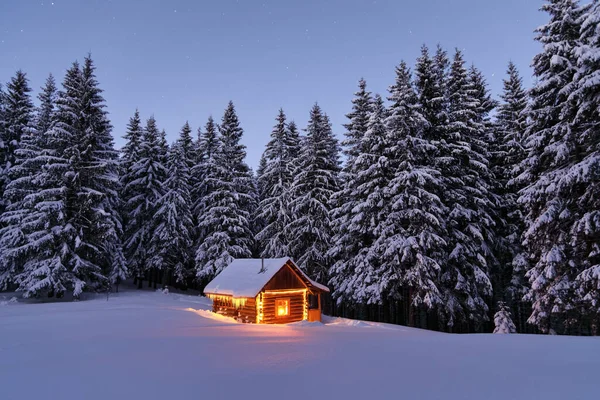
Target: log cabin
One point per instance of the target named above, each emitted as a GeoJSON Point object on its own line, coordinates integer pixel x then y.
{"type": "Point", "coordinates": [266, 291]}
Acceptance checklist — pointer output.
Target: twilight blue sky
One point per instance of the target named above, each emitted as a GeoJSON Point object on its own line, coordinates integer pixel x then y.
{"type": "Point", "coordinates": [185, 59]}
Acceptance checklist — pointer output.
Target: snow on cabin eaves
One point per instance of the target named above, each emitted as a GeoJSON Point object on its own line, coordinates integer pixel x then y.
{"type": "Point", "coordinates": [316, 284]}
{"type": "Point", "coordinates": [243, 277]}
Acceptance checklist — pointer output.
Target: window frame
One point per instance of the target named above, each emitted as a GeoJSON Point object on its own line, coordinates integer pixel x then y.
{"type": "Point", "coordinates": [288, 303]}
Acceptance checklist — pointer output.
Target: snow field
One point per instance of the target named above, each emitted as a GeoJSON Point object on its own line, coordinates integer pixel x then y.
{"type": "Point", "coordinates": [150, 345]}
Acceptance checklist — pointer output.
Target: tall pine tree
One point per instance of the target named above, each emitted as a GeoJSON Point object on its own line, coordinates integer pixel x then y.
{"type": "Point", "coordinates": [430, 84]}
{"type": "Point", "coordinates": [347, 243]}
{"type": "Point", "coordinates": [413, 233]}
{"type": "Point", "coordinates": [131, 153]}
{"type": "Point", "coordinates": [145, 187]}
{"type": "Point", "coordinates": [464, 166]}
{"type": "Point", "coordinates": [93, 199]}
{"type": "Point", "coordinates": [583, 178]}
{"type": "Point", "coordinates": [19, 137]}
{"type": "Point", "coordinates": [187, 145]}
{"type": "Point", "coordinates": [47, 108]}
{"type": "Point", "coordinates": [551, 193]}
{"type": "Point", "coordinates": [275, 183]}
{"type": "Point", "coordinates": [203, 174]}
{"type": "Point", "coordinates": [507, 155]}
{"type": "Point", "coordinates": [17, 120]}
{"type": "Point", "coordinates": [225, 222]}
{"type": "Point", "coordinates": [68, 235]}
{"type": "Point", "coordinates": [315, 181]}
{"type": "Point", "coordinates": [170, 246]}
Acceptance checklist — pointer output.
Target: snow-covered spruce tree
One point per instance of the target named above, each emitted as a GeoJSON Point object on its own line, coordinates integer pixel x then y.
{"type": "Point", "coordinates": [196, 159]}
{"type": "Point", "coordinates": [345, 243]}
{"type": "Point", "coordinates": [17, 119]}
{"type": "Point", "coordinates": [552, 189]}
{"type": "Point", "coordinates": [333, 146]}
{"type": "Point", "coordinates": [441, 68]}
{"type": "Point", "coordinates": [294, 141]}
{"type": "Point", "coordinates": [430, 84]}
{"type": "Point", "coordinates": [130, 155]}
{"type": "Point", "coordinates": [485, 103]}
{"type": "Point", "coordinates": [207, 148]}
{"type": "Point", "coordinates": [47, 108]}
{"type": "Point", "coordinates": [131, 149]}
{"type": "Point", "coordinates": [225, 222]}
{"type": "Point", "coordinates": [94, 199]}
{"type": "Point", "coordinates": [37, 240]}
{"type": "Point", "coordinates": [189, 152]}
{"type": "Point", "coordinates": [293, 149]}
{"type": "Point", "coordinates": [503, 321]}
{"type": "Point", "coordinates": [362, 106]}
{"type": "Point", "coordinates": [170, 247]}
{"type": "Point", "coordinates": [164, 147]}
{"type": "Point", "coordinates": [498, 243]}
{"type": "Point", "coordinates": [412, 234]}
{"type": "Point", "coordinates": [258, 224]}
{"type": "Point", "coordinates": [355, 275]}
{"type": "Point", "coordinates": [31, 143]}
{"type": "Point", "coordinates": [274, 185]}
{"type": "Point", "coordinates": [187, 145]}
{"type": "Point", "coordinates": [145, 187]}
{"type": "Point", "coordinates": [260, 171]}
{"type": "Point", "coordinates": [507, 155]}
{"type": "Point", "coordinates": [315, 181]}
{"type": "Point", "coordinates": [245, 183]}
{"type": "Point", "coordinates": [465, 170]}
{"type": "Point", "coordinates": [21, 134]}
{"type": "Point", "coordinates": [91, 199]}
{"type": "Point", "coordinates": [583, 178]}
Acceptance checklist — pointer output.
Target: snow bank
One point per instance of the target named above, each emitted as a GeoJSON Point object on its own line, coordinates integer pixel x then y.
{"type": "Point", "coordinates": [349, 322]}
{"type": "Point", "coordinates": [212, 315]}
{"type": "Point", "coordinates": [306, 324]}
{"type": "Point", "coordinates": [13, 300]}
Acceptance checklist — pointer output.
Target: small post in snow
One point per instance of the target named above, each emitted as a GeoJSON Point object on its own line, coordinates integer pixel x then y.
{"type": "Point", "coordinates": [262, 265]}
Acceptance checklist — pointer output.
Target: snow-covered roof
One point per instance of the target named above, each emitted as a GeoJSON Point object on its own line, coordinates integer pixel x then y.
{"type": "Point", "coordinates": [243, 277]}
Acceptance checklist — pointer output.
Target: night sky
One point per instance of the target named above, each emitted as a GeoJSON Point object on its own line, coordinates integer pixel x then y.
{"type": "Point", "coordinates": [185, 59]}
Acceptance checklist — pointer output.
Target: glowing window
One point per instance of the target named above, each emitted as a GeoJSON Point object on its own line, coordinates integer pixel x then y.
{"type": "Point", "coordinates": [283, 307]}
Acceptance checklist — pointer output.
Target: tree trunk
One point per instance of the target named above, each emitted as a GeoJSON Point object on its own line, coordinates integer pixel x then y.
{"type": "Point", "coordinates": [411, 308]}
{"type": "Point", "coordinates": [165, 278]}
{"type": "Point", "coordinates": [423, 316]}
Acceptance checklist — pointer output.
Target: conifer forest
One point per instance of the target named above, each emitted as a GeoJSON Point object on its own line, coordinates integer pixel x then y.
{"type": "Point", "coordinates": [436, 205]}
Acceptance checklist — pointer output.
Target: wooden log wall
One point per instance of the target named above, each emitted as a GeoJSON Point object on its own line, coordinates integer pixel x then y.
{"type": "Point", "coordinates": [270, 308]}
{"type": "Point", "coordinates": [247, 313]}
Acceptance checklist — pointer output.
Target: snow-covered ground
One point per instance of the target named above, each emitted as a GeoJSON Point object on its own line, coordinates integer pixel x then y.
{"type": "Point", "coordinates": [146, 345]}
